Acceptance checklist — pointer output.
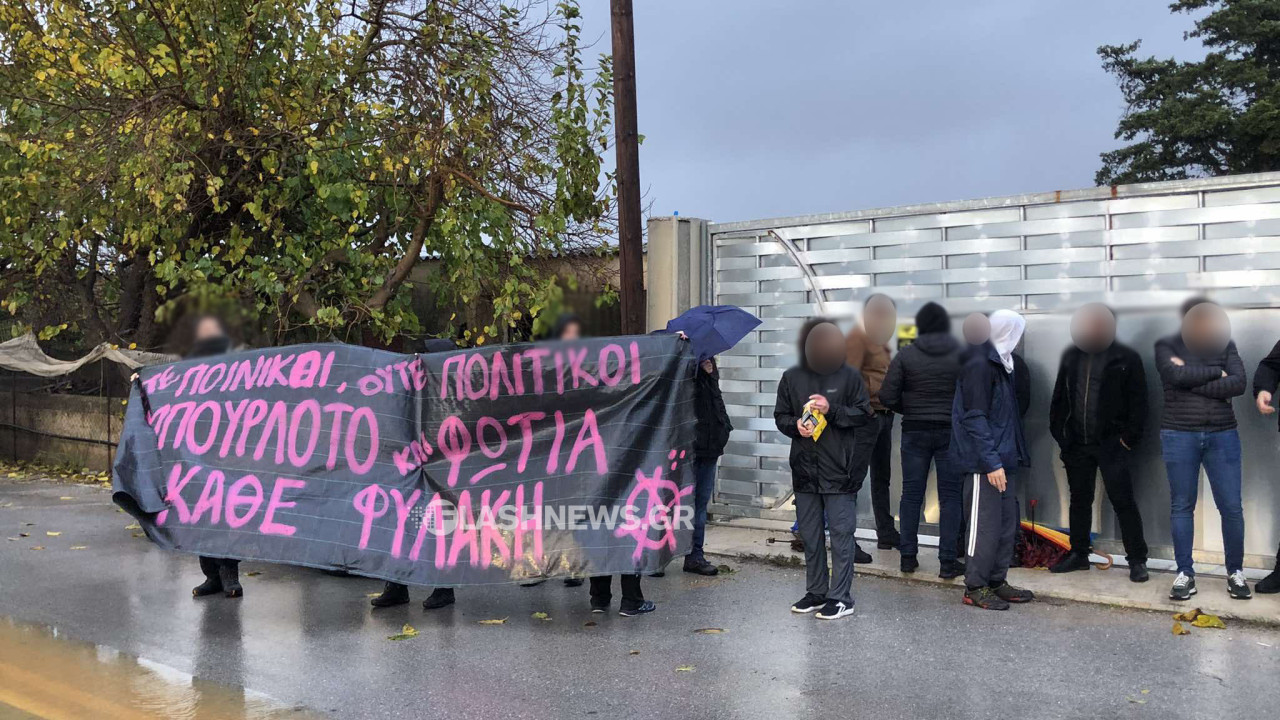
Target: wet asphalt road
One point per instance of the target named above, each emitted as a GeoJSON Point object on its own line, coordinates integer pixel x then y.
{"type": "Point", "coordinates": [912, 651]}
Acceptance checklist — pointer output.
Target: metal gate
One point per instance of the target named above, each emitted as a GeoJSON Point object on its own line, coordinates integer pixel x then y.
{"type": "Point", "coordinates": [1140, 248]}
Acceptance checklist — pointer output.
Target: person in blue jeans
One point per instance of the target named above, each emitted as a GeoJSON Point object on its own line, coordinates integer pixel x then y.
{"type": "Point", "coordinates": [710, 437]}
{"type": "Point", "coordinates": [921, 386]}
{"type": "Point", "coordinates": [1201, 372]}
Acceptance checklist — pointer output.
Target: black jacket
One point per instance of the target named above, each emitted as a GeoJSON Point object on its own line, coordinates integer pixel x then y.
{"type": "Point", "coordinates": [1122, 400]}
{"type": "Point", "coordinates": [712, 432]}
{"type": "Point", "coordinates": [1197, 397]}
{"type": "Point", "coordinates": [921, 381]}
{"type": "Point", "coordinates": [837, 461]}
{"type": "Point", "coordinates": [1267, 376]}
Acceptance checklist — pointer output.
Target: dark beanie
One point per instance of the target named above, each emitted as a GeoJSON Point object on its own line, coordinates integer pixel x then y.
{"type": "Point", "coordinates": [932, 318]}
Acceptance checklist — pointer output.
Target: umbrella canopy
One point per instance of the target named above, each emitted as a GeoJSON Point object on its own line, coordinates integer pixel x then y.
{"type": "Point", "coordinates": [712, 329]}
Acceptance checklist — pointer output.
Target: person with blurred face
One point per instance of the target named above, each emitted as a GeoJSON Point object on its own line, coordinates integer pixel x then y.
{"type": "Point", "coordinates": [827, 467]}
{"type": "Point", "coordinates": [221, 575]}
{"type": "Point", "coordinates": [1265, 381]}
{"type": "Point", "coordinates": [987, 444]}
{"type": "Point", "coordinates": [921, 386]}
{"type": "Point", "coordinates": [1201, 372]}
{"type": "Point", "coordinates": [1097, 416]}
{"type": "Point", "coordinates": [867, 350]}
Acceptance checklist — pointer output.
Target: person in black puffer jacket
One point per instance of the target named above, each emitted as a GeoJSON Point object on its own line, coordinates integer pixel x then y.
{"type": "Point", "coordinates": [1201, 372]}
{"type": "Point", "coordinates": [1266, 381]}
{"type": "Point", "coordinates": [828, 471]}
{"type": "Point", "coordinates": [710, 437]}
{"type": "Point", "coordinates": [921, 386]}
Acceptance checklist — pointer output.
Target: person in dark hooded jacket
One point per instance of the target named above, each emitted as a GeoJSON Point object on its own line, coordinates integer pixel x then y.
{"type": "Point", "coordinates": [921, 385]}
{"type": "Point", "coordinates": [1266, 382]}
{"type": "Point", "coordinates": [987, 445]}
{"type": "Point", "coordinates": [710, 437]}
{"type": "Point", "coordinates": [828, 470]}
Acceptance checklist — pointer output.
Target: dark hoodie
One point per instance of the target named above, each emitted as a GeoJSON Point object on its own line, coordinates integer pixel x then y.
{"type": "Point", "coordinates": [921, 382]}
{"type": "Point", "coordinates": [837, 461]}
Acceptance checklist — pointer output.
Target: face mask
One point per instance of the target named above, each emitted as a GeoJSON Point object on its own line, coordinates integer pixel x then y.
{"type": "Point", "coordinates": [210, 346]}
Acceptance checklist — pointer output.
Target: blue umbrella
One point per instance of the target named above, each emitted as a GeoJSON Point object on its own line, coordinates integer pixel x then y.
{"type": "Point", "coordinates": [712, 329]}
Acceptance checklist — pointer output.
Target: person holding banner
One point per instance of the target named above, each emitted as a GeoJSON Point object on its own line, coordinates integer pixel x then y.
{"type": "Point", "coordinates": [394, 593]}
{"type": "Point", "coordinates": [206, 336]}
{"type": "Point", "coordinates": [823, 407]}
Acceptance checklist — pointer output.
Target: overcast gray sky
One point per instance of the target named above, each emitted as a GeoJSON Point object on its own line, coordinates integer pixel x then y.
{"type": "Point", "coordinates": [754, 109]}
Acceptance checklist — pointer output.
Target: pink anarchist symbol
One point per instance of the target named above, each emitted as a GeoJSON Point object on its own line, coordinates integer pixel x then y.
{"type": "Point", "coordinates": [657, 512]}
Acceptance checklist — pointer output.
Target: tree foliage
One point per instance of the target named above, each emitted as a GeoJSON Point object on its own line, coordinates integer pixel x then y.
{"type": "Point", "coordinates": [1211, 117]}
{"type": "Point", "coordinates": [295, 158]}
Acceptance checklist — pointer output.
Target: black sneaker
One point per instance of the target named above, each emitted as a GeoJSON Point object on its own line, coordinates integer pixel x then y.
{"type": "Point", "coordinates": [985, 598]}
{"type": "Point", "coordinates": [1184, 586]}
{"type": "Point", "coordinates": [909, 564]}
{"type": "Point", "coordinates": [533, 583]}
{"type": "Point", "coordinates": [889, 542]}
{"type": "Point", "coordinates": [1269, 585]}
{"type": "Point", "coordinates": [1237, 587]}
{"type": "Point", "coordinates": [393, 593]}
{"type": "Point", "coordinates": [834, 610]}
{"type": "Point", "coordinates": [797, 544]}
{"type": "Point", "coordinates": [860, 556]}
{"type": "Point", "coordinates": [660, 573]}
{"type": "Point", "coordinates": [645, 607]}
{"type": "Point", "coordinates": [1138, 573]}
{"type": "Point", "coordinates": [210, 586]}
{"type": "Point", "coordinates": [809, 603]}
{"type": "Point", "coordinates": [949, 569]}
{"type": "Point", "coordinates": [573, 582]}
{"type": "Point", "coordinates": [700, 567]}
{"type": "Point", "coordinates": [1011, 594]}
{"type": "Point", "coordinates": [1071, 562]}
{"type": "Point", "coordinates": [440, 597]}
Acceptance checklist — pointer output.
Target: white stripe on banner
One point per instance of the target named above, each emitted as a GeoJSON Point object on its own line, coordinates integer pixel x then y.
{"type": "Point", "coordinates": [973, 514]}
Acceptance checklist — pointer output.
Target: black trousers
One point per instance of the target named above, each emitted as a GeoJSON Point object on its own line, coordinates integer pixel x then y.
{"type": "Point", "coordinates": [881, 475]}
{"type": "Point", "coordinates": [602, 590]}
{"type": "Point", "coordinates": [1082, 464]}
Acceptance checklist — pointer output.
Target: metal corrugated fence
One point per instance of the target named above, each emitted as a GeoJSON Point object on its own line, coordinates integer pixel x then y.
{"type": "Point", "coordinates": [1138, 248]}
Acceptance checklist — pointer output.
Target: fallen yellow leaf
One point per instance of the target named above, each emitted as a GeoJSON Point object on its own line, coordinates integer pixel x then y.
{"type": "Point", "coordinates": [495, 621]}
{"type": "Point", "coordinates": [66, 497]}
{"type": "Point", "coordinates": [134, 526]}
{"type": "Point", "coordinates": [685, 668]}
{"type": "Point", "coordinates": [79, 547]}
{"type": "Point", "coordinates": [1188, 616]}
{"type": "Point", "coordinates": [51, 533]}
{"type": "Point", "coordinates": [710, 631]}
{"type": "Point", "coordinates": [1209, 621]}
{"type": "Point", "coordinates": [541, 616]}
{"type": "Point", "coordinates": [405, 633]}
{"type": "Point", "coordinates": [1179, 630]}
{"type": "Point", "coordinates": [37, 547]}
{"type": "Point", "coordinates": [634, 652]}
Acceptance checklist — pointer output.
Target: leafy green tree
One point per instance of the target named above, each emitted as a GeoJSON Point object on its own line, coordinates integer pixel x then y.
{"type": "Point", "coordinates": [1215, 116]}
{"type": "Point", "coordinates": [292, 158]}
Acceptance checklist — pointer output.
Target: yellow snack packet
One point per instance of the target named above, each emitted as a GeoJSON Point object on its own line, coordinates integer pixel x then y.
{"type": "Point", "coordinates": [815, 419]}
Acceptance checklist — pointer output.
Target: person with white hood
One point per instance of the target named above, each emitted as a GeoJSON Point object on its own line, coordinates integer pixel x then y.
{"type": "Point", "coordinates": [987, 444]}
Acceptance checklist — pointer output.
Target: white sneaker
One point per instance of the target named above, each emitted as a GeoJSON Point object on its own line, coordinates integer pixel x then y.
{"type": "Point", "coordinates": [834, 610]}
{"type": "Point", "coordinates": [1184, 586]}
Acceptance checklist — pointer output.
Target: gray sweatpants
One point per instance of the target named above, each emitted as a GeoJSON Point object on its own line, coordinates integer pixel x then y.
{"type": "Point", "coordinates": [991, 519]}
{"type": "Point", "coordinates": [842, 520]}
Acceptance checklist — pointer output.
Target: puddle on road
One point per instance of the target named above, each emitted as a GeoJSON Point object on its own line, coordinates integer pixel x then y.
{"type": "Point", "coordinates": [47, 676]}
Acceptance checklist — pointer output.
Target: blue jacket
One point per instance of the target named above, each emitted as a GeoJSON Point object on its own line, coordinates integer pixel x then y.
{"type": "Point", "coordinates": [986, 422]}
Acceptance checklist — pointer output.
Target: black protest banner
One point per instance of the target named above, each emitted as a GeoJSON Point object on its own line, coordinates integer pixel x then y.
{"type": "Point", "coordinates": [455, 468]}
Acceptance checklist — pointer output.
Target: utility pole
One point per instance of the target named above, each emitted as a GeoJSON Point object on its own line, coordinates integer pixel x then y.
{"type": "Point", "coordinates": [627, 146]}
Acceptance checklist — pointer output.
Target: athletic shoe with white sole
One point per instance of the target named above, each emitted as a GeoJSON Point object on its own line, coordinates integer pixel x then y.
{"type": "Point", "coordinates": [834, 610]}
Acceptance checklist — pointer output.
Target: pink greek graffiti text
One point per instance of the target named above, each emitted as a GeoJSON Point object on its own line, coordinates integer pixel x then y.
{"type": "Point", "coordinates": [476, 375]}
{"type": "Point", "coordinates": [236, 505]}
{"type": "Point", "coordinates": [662, 505]}
{"type": "Point", "coordinates": [281, 431]}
